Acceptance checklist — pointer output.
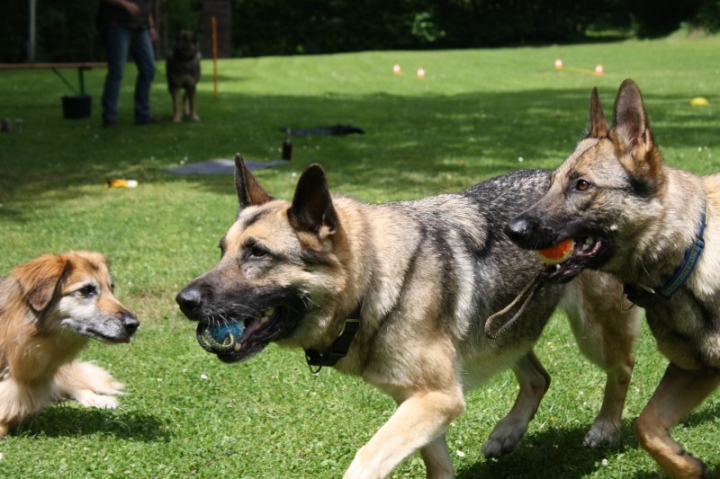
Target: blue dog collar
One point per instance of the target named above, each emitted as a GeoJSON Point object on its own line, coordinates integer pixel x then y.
{"type": "Point", "coordinates": [642, 295]}
{"type": "Point", "coordinates": [689, 261]}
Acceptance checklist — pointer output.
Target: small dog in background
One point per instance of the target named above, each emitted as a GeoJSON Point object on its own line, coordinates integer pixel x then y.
{"type": "Point", "coordinates": [49, 309]}
{"type": "Point", "coordinates": [182, 68]}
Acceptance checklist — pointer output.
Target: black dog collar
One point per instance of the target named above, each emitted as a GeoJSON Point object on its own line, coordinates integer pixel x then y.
{"type": "Point", "coordinates": [641, 295]}
{"type": "Point", "coordinates": [338, 349]}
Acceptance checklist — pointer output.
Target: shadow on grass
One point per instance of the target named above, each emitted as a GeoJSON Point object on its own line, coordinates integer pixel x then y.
{"type": "Point", "coordinates": [559, 454]}
{"type": "Point", "coordinates": [417, 142]}
{"type": "Point", "coordinates": [66, 421]}
{"type": "Point", "coordinates": [703, 414]}
{"type": "Point", "coordinates": [551, 453]}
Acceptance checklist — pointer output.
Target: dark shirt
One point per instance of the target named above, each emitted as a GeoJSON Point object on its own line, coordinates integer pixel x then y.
{"type": "Point", "coordinates": [116, 16]}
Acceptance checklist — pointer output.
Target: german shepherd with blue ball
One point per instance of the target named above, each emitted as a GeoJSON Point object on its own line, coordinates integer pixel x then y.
{"type": "Point", "coordinates": [655, 228]}
{"type": "Point", "coordinates": [399, 295]}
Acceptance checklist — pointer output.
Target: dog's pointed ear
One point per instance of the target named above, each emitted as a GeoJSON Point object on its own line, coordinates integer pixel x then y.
{"type": "Point", "coordinates": [312, 206]}
{"type": "Point", "coordinates": [40, 278]}
{"type": "Point", "coordinates": [248, 189]}
{"type": "Point", "coordinates": [630, 121]}
{"type": "Point", "coordinates": [632, 134]}
{"type": "Point", "coordinates": [598, 125]}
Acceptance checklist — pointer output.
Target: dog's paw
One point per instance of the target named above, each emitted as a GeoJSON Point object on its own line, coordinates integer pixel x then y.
{"type": "Point", "coordinates": [100, 381]}
{"type": "Point", "coordinates": [499, 447]}
{"type": "Point", "coordinates": [504, 439]}
{"type": "Point", "coordinates": [195, 118]}
{"type": "Point", "coordinates": [602, 433]}
{"type": "Point", "coordinates": [90, 399]}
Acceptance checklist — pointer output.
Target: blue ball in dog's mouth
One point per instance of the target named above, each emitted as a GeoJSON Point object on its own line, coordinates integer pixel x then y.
{"type": "Point", "coordinates": [222, 337]}
{"type": "Point", "coordinates": [228, 333]}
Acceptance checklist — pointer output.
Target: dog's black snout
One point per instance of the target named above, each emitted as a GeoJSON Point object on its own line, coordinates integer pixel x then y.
{"type": "Point", "coordinates": [190, 300]}
{"type": "Point", "coordinates": [529, 232]}
{"type": "Point", "coordinates": [130, 322]}
{"type": "Point", "coordinates": [519, 228]}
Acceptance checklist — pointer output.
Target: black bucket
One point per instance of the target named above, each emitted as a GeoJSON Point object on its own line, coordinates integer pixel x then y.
{"type": "Point", "coordinates": [76, 106]}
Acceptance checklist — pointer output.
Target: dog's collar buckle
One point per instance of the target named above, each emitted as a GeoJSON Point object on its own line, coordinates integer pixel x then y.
{"type": "Point", "coordinates": [337, 350]}
{"type": "Point", "coordinates": [643, 294]}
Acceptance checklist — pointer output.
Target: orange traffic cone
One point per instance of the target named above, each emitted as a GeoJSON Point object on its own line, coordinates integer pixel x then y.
{"type": "Point", "coordinates": [558, 64]}
{"type": "Point", "coordinates": [396, 69]}
{"type": "Point", "coordinates": [599, 69]}
{"type": "Point", "coordinates": [421, 72]}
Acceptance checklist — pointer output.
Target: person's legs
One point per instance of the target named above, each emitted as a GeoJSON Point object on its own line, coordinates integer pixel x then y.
{"type": "Point", "coordinates": [117, 41]}
{"type": "Point", "coordinates": [144, 56]}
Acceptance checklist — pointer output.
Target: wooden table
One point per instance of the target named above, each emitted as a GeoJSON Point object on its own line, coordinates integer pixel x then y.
{"type": "Point", "coordinates": [55, 67]}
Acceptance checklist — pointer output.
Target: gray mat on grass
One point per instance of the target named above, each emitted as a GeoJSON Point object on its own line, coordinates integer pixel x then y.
{"type": "Point", "coordinates": [221, 167]}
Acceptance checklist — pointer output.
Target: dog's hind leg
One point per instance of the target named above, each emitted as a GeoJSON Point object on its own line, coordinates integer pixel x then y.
{"type": "Point", "coordinates": [20, 399]}
{"type": "Point", "coordinates": [436, 457]}
{"type": "Point", "coordinates": [88, 384]}
{"type": "Point", "coordinates": [605, 333]}
{"type": "Point", "coordinates": [679, 392]}
{"type": "Point", "coordinates": [534, 382]}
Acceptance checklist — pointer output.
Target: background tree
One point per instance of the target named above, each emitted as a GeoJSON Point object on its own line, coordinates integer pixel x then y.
{"type": "Point", "coordinates": [66, 28]}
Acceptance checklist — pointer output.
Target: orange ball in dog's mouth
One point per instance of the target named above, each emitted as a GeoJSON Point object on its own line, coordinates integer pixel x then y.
{"type": "Point", "coordinates": [556, 254]}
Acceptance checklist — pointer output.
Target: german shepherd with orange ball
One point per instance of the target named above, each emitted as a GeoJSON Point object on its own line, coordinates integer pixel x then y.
{"type": "Point", "coordinates": [658, 230]}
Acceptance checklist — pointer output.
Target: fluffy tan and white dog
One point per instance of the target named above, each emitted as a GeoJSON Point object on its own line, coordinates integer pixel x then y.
{"type": "Point", "coordinates": [49, 309]}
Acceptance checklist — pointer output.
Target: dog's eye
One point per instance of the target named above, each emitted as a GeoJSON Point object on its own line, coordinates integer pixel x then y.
{"type": "Point", "coordinates": [253, 250]}
{"type": "Point", "coordinates": [257, 252]}
{"type": "Point", "coordinates": [88, 290]}
{"type": "Point", "coordinates": [582, 185]}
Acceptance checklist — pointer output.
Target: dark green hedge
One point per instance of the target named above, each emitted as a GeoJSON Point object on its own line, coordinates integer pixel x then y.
{"type": "Point", "coordinates": [66, 30]}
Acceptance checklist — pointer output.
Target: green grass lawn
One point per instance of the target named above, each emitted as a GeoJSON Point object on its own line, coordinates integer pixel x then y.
{"type": "Point", "coordinates": [476, 114]}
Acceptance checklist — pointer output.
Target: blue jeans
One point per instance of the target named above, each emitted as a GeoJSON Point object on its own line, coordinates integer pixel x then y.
{"type": "Point", "coordinates": [119, 42]}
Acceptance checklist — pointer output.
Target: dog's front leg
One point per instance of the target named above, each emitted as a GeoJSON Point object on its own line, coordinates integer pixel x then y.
{"type": "Point", "coordinates": [418, 423]}
{"type": "Point", "coordinates": [605, 334]}
{"type": "Point", "coordinates": [88, 384]}
{"type": "Point", "coordinates": [177, 106]}
{"type": "Point", "coordinates": [678, 393]}
{"type": "Point", "coordinates": [190, 105]}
